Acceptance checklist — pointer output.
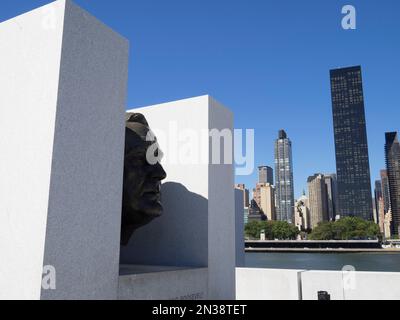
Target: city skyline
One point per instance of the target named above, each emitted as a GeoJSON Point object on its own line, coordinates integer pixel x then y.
{"type": "Point", "coordinates": [260, 66]}
{"type": "Point", "coordinates": [347, 192]}
{"type": "Point", "coordinates": [370, 191]}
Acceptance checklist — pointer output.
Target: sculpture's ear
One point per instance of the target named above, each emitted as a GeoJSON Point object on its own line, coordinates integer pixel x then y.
{"type": "Point", "coordinates": [136, 118]}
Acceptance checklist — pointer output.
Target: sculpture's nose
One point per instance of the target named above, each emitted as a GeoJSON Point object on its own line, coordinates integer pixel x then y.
{"type": "Point", "coordinates": [158, 172]}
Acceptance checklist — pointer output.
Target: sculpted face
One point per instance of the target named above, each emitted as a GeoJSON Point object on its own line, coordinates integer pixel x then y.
{"type": "Point", "coordinates": [142, 180]}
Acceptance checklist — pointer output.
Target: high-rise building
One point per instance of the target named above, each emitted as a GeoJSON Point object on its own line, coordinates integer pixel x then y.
{"type": "Point", "coordinates": [246, 216]}
{"type": "Point", "coordinates": [374, 212]}
{"type": "Point", "coordinates": [377, 197]}
{"type": "Point", "coordinates": [352, 161]}
{"type": "Point", "coordinates": [284, 187]}
{"type": "Point", "coordinates": [265, 175]}
{"type": "Point", "coordinates": [318, 200]}
{"type": "Point", "coordinates": [246, 194]}
{"type": "Point", "coordinates": [257, 194]}
{"type": "Point", "coordinates": [381, 208]}
{"type": "Point", "coordinates": [388, 225]}
{"type": "Point", "coordinates": [246, 201]}
{"type": "Point", "coordinates": [302, 214]}
{"type": "Point", "coordinates": [392, 152]}
{"type": "Point", "coordinates": [331, 190]}
{"type": "Point", "coordinates": [264, 197]}
{"type": "Point", "coordinates": [255, 213]}
{"type": "Point", "coordinates": [267, 201]}
{"type": "Point", "coordinates": [385, 190]}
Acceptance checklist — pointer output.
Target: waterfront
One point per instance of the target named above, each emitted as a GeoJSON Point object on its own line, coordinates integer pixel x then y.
{"type": "Point", "coordinates": [383, 262]}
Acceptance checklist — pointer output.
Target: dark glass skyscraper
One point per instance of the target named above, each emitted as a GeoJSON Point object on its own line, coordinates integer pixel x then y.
{"type": "Point", "coordinates": [385, 190]}
{"type": "Point", "coordinates": [331, 189]}
{"type": "Point", "coordinates": [392, 152]}
{"type": "Point", "coordinates": [378, 195]}
{"type": "Point", "coordinates": [352, 161]}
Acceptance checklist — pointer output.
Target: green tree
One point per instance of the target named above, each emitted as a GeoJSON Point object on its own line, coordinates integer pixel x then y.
{"type": "Point", "coordinates": [253, 229]}
{"type": "Point", "coordinates": [324, 231]}
{"type": "Point", "coordinates": [273, 230]}
{"type": "Point", "coordinates": [349, 228]}
{"type": "Point", "coordinates": [268, 228]}
{"type": "Point", "coordinates": [284, 231]}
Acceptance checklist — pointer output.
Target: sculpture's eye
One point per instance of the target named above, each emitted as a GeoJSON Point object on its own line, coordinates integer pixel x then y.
{"type": "Point", "coordinates": [154, 154]}
{"type": "Point", "coordinates": [159, 154]}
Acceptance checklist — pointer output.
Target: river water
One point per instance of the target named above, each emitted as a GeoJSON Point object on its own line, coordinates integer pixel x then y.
{"type": "Point", "coordinates": [383, 262]}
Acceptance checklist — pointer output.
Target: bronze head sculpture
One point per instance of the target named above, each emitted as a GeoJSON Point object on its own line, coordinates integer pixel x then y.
{"type": "Point", "coordinates": [143, 174]}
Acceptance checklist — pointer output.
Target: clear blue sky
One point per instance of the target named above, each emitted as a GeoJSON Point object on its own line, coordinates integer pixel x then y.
{"type": "Point", "coordinates": [267, 60]}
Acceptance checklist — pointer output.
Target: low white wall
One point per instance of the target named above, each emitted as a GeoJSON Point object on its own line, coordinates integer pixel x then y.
{"type": "Point", "coordinates": [267, 284]}
{"type": "Point", "coordinates": [162, 283]}
{"type": "Point", "coordinates": [280, 284]}
{"type": "Point", "coordinates": [314, 281]}
{"type": "Point", "coordinates": [351, 285]}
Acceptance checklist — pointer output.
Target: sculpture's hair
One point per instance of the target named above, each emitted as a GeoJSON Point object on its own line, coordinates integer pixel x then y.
{"type": "Point", "coordinates": [137, 129]}
{"type": "Point", "coordinates": [136, 118]}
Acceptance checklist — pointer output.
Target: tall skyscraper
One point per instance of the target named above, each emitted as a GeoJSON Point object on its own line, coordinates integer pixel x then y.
{"type": "Point", "coordinates": [381, 214]}
{"type": "Point", "coordinates": [318, 199]}
{"type": "Point", "coordinates": [385, 190]}
{"type": "Point", "coordinates": [255, 213]}
{"type": "Point", "coordinates": [302, 214]}
{"type": "Point", "coordinates": [388, 225]}
{"type": "Point", "coordinates": [378, 197]}
{"type": "Point", "coordinates": [267, 201]}
{"type": "Point", "coordinates": [392, 152]}
{"type": "Point", "coordinates": [331, 192]}
{"type": "Point", "coordinates": [284, 187]}
{"type": "Point", "coordinates": [265, 175]}
{"type": "Point", "coordinates": [246, 194]}
{"type": "Point", "coordinates": [264, 197]}
{"type": "Point", "coordinates": [246, 215]}
{"type": "Point", "coordinates": [352, 161]}
{"type": "Point", "coordinates": [257, 194]}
